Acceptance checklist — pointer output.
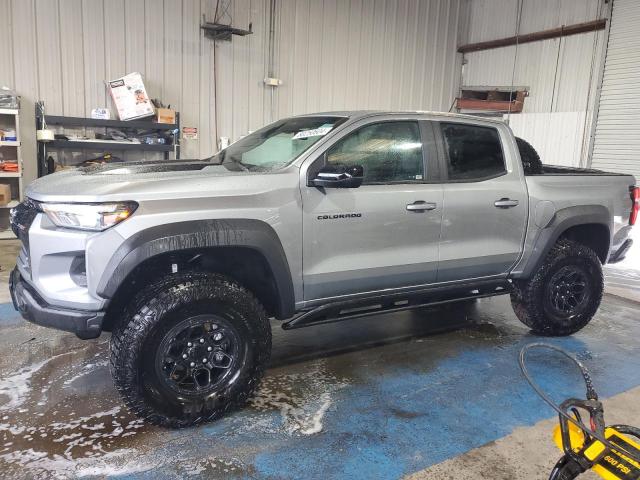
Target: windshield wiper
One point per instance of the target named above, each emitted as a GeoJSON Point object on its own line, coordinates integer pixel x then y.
{"type": "Point", "coordinates": [242, 166]}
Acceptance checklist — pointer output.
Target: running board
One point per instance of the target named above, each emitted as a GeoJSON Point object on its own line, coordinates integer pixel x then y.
{"type": "Point", "coordinates": [363, 307]}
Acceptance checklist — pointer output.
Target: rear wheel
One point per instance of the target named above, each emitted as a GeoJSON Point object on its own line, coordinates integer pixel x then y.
{"type": "Point", "coordinates": [190, 348]}
{"type": "Point", "coordinates": [565, 292]}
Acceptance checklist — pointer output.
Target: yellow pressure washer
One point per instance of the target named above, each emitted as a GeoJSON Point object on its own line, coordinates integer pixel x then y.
{"type": "Point", "coordinates": [612, 452]}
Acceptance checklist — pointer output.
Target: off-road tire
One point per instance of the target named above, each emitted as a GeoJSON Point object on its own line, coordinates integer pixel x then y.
{"type": "Point", "coordinates": [150, 317]}
{"type": "Point", "coordinates": [531, 163]}
{"type": "Point", "coordinates": [530, 298]}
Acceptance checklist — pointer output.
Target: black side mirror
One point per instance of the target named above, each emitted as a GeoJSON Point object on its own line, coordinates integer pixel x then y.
{"type": "Point", "coordinates": [339, 176]}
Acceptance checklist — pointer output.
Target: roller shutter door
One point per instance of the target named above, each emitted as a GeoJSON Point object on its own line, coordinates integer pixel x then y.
{"type": "Point", "coordinates": [617, 140]}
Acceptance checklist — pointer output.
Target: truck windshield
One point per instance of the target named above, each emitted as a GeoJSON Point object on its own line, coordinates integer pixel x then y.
{"type": "Point", "coordinates": [276, 145]}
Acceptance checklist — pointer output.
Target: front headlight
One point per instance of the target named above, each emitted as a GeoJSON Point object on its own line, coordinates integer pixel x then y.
{"type": "Point", "coordinates": [88, 216]}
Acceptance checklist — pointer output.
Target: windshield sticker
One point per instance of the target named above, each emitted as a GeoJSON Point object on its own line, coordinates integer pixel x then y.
{"type": "Point", "coordinates": [316, 132]}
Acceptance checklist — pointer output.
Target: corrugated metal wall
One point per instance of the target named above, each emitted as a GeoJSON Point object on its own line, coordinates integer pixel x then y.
{"type": "Point", "coordinates": [336, 55]}
{"type": "Point", "coordinates": [561, 74]}
{"type": "Point", "coordinates": [617, 136]}
{"type": "Point", "coordinates": [379, 54]}
{"type": "Point", "coordinates": [62, 51]}
{"type": "Point", "coordinates": [493, 19]}
{"type": "Point", "coordinates": [330, 54]}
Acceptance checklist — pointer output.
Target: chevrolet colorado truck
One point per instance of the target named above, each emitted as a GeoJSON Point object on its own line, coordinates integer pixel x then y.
{"type": "Point", "coordinates": [311, 219]}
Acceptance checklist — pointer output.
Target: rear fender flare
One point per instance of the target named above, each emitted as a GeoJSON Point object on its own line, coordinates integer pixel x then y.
{"type": "Point", "coordinates": [563, 220]}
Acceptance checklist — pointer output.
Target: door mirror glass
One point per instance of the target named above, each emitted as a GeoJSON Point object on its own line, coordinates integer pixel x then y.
{"type": "Point", "coordinates": [339, 176]}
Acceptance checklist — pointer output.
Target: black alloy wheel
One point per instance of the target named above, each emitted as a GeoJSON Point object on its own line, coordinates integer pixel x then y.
{"type": "Point", "coordinates": [564, 292]}
{"type": "Point", "coordinates": [198, 354]}
{"type": "Point", "coordinates": [568, 291]}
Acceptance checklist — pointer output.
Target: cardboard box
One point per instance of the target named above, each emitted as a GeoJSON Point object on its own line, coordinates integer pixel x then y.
{"type": "Point", "coordinates": [130, 97]}
{"type": "Point", "coordinates": [166, 115]}
{"type": "Point", "coordinates": [5, 194]}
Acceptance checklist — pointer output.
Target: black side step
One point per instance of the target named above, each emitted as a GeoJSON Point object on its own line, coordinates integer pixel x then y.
{"type": "Point", "coordinates": [362, 307]}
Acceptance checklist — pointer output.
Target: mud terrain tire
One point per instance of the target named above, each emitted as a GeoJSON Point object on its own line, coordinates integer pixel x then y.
{"type": "Point", "coordinates": [539, 302]}
{"type": "Point", "coordinates": [151, 364]}
{"type": "Point", "coordinates": [529, 157]}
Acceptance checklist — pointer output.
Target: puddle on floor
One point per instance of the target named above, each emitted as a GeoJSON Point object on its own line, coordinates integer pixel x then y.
{"type": "Point", "coordinates": [301, 397]}
{"type": "Point", "coordinates": [61, 417]}
{"type": "Point", "coordinates": [53, 421]}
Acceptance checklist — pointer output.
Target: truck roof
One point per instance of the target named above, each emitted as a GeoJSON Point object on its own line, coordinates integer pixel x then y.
{"type": "Point", "coordinates": [355, 114]}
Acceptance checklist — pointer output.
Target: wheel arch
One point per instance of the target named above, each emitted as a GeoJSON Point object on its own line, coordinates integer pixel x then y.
{"type": "Point", "coordinates": [589, 225]}
{"type": "Point", "coordinates": [213, 243]}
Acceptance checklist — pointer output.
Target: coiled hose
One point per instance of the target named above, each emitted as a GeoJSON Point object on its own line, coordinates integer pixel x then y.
{"type": "Point", "coordinates": [591, 395]}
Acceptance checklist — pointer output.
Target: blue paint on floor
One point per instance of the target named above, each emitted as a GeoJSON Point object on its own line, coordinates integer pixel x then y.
{"type": "Point", "coordinates": [395, 409]}
{"type": "Point", "coordinates": [401, 415]}
{"type": "Point", "coordinates": [9, 315]}
{"type": "Point", "coordinates": [474, 398]}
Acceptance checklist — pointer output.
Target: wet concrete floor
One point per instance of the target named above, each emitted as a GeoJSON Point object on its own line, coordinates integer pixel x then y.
{"type": "Point", "coordinates": [380, 397]}
{"type": "Point", "coordinates": [372, 398]}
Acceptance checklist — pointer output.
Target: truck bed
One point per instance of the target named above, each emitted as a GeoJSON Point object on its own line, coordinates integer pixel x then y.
{"type": "Point", "coordinates": [562, 170]}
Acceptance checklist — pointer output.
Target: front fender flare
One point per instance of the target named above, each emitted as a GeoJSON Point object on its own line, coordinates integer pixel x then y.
{"type": "Point", "coordinates": [179, 236]}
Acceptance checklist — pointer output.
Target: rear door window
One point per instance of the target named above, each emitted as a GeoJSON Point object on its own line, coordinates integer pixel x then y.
{"type": "Point", "coordinates": [473, 153]}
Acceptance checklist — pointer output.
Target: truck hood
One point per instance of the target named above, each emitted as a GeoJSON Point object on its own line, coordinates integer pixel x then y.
{"type": "Point", "coordinates": [144, 180]}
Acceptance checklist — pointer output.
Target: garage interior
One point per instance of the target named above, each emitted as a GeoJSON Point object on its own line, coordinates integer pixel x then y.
{"type": "Point", "coordinates": [433, 393]}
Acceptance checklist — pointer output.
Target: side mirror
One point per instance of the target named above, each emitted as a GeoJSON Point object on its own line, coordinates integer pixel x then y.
{"type": "Point", "coordinates": [339, 176]}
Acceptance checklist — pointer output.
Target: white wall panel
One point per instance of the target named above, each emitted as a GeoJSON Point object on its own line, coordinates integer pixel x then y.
{"type": "Point", "coordinates": [25, 65]}
{"type": "Point", "coordinates": [134, 36]}
{"type": "Point", "coordinates": [329, 54]}
{"type": "Point", "coordinates": [71, 63]}
{"type": "Point", "coordinates": [492, 19]}
{"type": "Point", "coordinates": [6, 39]}
{"type": "Point", "coordinates": [154, 47]}
{"type": "Point", "coordinates": [114, 39]}
{"type": "Point", "coordinates": [63, 51]}
{"type": "Point", "coordinates": [378, 54]}
{"type": "Point", "coordinates": [561, 73]}
{"type": "Point", "coordinates": [558, 137]}
{"type": "Point", "coordinates": [93, 41]}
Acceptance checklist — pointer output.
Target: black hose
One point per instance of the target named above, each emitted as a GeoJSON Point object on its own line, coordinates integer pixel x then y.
{"type": "Point", "coordinates": [591, 395]}
{"type": "Point", "coordinates": [566, 469]}
{"type": "Point", "coordinates": [627, 430]}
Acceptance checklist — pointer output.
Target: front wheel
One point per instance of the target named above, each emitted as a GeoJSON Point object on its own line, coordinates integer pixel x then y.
{"type": "Point", "coordinates": [564, 294]}
{"type": "Point", "coordinates": [190, 348]}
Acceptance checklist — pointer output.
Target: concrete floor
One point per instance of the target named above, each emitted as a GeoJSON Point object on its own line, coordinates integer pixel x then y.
{"type": "Point", "coordinates": [434, 393]}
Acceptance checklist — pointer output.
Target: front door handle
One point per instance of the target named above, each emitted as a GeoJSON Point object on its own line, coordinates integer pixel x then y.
{"type": "Point", "coordinates": [506, 203]}
{"type": "Point", "coordinates": [421, 206]}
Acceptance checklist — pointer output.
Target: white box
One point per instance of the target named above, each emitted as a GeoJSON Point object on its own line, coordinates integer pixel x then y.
{"type": "Point", "coordinates": [130, 97]}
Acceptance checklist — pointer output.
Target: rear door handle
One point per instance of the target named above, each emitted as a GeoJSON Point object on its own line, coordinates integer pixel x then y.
{"type": "Point", "coordinates": [506, 203]}
{"type": "Point", "coordinates": [421, 206]}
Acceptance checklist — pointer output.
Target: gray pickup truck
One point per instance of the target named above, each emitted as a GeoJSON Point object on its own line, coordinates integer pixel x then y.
{"type": "Point", "coordinates": [311, 219]}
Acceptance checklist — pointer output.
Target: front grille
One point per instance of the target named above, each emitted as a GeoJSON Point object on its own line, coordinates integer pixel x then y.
{"type": "Point", "coordinates": [22, 217]}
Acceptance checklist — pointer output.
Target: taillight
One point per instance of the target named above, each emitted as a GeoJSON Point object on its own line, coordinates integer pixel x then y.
{"type": "Point", "coordinates": [635, 206]}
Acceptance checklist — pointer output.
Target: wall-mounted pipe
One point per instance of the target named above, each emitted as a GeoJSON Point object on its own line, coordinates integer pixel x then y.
{"type": "Point", "coordinates": [563, 31]}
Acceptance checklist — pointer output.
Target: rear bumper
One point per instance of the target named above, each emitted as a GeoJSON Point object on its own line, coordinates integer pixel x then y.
{"type": "Point", "coordinates": [85, 324]}
{"type": "Point", "coordinates": [619, 254]}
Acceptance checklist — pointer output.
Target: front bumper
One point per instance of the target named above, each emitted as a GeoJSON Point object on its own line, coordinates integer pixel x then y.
{"type": "Point", "coordinates": [85, 324]}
